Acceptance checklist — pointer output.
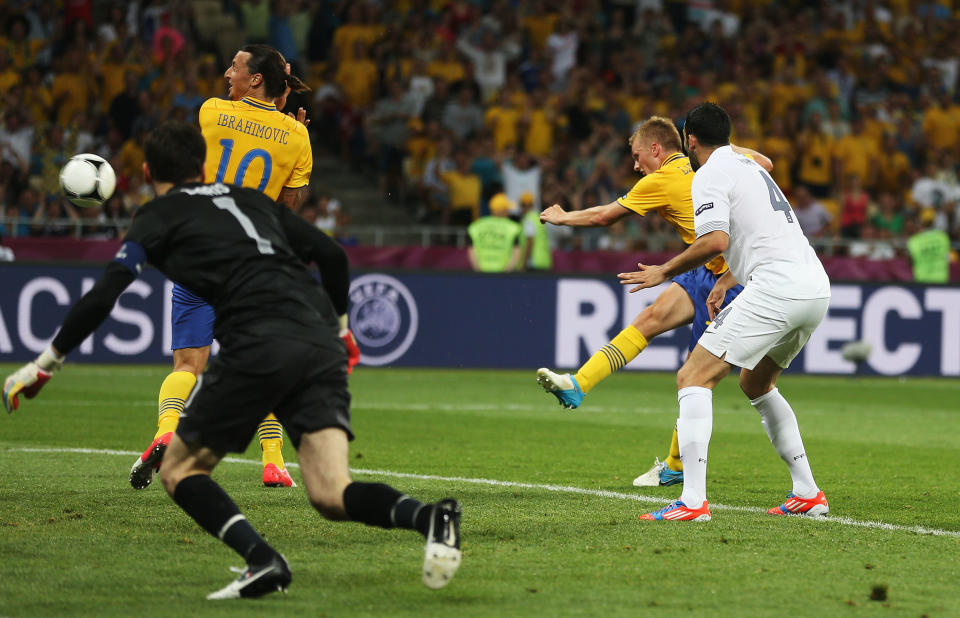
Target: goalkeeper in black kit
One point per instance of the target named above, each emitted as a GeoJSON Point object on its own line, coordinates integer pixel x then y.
{"type": "Point", "coordinates": [280, 351]}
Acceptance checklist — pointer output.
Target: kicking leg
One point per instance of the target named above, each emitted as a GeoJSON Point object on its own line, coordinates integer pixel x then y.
{"type": "Point", "coordinates": [324, 466]}
{"type": "Point", "coordinates": [671, 309]}
{"type": "Point", "coordinates": [186, 477]}
{"type": "Point", "coordinates": [780, 423]}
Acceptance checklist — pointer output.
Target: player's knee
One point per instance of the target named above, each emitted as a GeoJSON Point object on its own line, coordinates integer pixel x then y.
{"type": "Point", "coordinates": [650, 321]}
{"type": "Point", "coordinates": [754, 388]}
{"type": "Point", "coordinates": [686, 376]}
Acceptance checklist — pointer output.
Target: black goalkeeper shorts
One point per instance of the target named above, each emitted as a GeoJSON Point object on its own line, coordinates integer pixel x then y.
{"type": "Point", "coordinates": [303, 383]}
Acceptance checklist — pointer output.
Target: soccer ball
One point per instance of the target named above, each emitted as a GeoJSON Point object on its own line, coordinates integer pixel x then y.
{"type": "Point", "coordinates": [87, 180]}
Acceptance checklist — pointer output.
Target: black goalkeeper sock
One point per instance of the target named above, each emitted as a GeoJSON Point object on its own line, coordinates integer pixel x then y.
{"type": "Point", "coordinates": [376, 504]}
{"type": "Point", "coordinates": [206, 502]}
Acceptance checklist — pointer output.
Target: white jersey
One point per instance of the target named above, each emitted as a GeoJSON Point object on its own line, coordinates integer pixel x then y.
{"type": "Point", "coordinates": [732, 193]}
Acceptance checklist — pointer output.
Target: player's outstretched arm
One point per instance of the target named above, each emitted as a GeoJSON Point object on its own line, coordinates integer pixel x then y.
{"type": "Point", "coordinates": [703, 249]}
{"type": "Point", "coordinates": [597, 216]}
{"type": "Point", "coordinates": [83, 318]}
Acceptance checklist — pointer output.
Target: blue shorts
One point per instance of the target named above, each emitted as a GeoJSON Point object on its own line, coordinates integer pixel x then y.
{"type": "Point", "coordinates": [191, 320]}
{"type": "Point", "coordinates": [697, 283]}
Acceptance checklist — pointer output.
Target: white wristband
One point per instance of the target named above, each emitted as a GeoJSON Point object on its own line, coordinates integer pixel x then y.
{"type": "Point", "coordinates": [48, 361]}
{"type": "Point", "coordinates": [343, 325]}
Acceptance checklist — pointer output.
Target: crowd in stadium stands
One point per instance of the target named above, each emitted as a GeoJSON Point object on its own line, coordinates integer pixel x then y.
{"type": "Point", "coordinates": [450, 102]}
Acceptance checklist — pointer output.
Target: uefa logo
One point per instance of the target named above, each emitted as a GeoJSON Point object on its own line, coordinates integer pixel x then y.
{"type": "Point", "coordinates": [383, 318]}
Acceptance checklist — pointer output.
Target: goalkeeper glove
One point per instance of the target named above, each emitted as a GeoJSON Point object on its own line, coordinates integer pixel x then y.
{"type": "Point", "coordinates": [29, 379]}
{"type": "Point", "coordinates": [353, 352]}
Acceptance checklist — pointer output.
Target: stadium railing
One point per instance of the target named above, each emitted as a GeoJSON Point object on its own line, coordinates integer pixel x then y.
{"type": "Point", "coordinates": [405, 235]}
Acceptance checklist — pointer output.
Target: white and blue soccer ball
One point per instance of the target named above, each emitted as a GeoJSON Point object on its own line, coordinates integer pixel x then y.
{"type": "Point", "coordinates": [88, 180]}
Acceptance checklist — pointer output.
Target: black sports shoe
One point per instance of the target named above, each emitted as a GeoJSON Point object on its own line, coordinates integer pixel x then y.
{"type": "Point", "coordinates": [443, 544]}
{"type": "Point", "coordinates": [257, 580]}
{"type": "Point", "coordinates": [141, 474]}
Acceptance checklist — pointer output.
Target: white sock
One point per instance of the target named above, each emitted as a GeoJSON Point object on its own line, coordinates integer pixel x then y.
{"type": "Point", "coordinates": [693, 433]}
{"type": "Point", "coordinates": [781, 425]}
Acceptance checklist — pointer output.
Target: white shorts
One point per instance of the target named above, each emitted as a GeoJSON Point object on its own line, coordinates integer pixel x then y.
{"type": "Point", "coordinates": [758, 324]}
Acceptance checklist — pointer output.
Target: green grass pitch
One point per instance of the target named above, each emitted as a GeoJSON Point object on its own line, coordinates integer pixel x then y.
{"type": "Point", "coordinates": [550, 522]}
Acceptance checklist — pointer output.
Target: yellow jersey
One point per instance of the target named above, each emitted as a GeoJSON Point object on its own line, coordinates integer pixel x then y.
{"type": "Point", "coordinates": [251, 144]}
{"type": "Point", "coordinates": [667, 191]}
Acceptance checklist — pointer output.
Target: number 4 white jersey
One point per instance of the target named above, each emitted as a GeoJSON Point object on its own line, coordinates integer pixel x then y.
{"type": "Point", "coordinates": [733, 194]}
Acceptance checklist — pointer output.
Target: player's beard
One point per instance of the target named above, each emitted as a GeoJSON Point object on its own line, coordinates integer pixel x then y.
{"type": "Point", "coordinates": [694, 160]}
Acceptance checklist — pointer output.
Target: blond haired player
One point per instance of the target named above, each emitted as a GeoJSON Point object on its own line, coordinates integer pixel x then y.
{"type": "Point", "coordinates": [665, 189]}
{"type": "Point", "coordinates": [250, 143]}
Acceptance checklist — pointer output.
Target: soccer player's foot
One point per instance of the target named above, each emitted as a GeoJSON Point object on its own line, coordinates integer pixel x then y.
{"type": "Point", "coordinates": [277, 477]}
{"type": "Point", "coordinates": [659, 474]}
{"type": "Point", "coordinates": [678, 511]}
{"type": "Point", "coordinates": [795, 505]}
{"type": "Point", "coordinates": [257, 580]}
{"type": "Point", "coordinates": [141, 474]}
{"type": "Point", "coordinates": [563, 386]}
{"type": "Point", "coordinates": [442, 556]}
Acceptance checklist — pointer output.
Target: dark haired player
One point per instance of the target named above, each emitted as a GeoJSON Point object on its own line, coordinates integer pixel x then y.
{"type": "Point", "coordinates": [242, 254]}
{"type": "Point", "coordinates": [740, 211]}
{"type": "Point", "coordinates": [249, 144]}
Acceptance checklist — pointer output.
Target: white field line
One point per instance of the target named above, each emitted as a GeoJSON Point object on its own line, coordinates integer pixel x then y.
{"type": "Point", "coordinates": [599, 493]}
{"type": "Point", "coordinates": [392, 406]}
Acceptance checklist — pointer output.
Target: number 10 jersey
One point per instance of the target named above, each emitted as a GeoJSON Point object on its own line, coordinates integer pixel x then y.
{"type": "Point", "coordinates": [252, 144]}
{"type": "Point", "coordinates": [733, 194]}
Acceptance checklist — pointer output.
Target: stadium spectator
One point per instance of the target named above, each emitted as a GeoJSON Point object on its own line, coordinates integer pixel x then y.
{"type": "Point", "coordinates": [461, 116]}
{"type": "Point", "coordinates": [388, 130]}
{"type": "Point", "coordinates": [893, 168]}
{"type": "Point", "coordinates": [521, 174]}
{"type": "Point", "coordinates": [16, 140]}
{"type": "Point", "coordinates": [489, 57]}
{"type": "Point", "coordinates": [889, 216]}
{"type": "Point", "coordinates": [464, 191]}
{"type": "Point", "coordinates": [562, 46]}
{"type": "Point", "coordinates": [856, 154]}
{"type": "Point", "coordinates": [816, 158]}
{"type": "Point", "coordinates": [854, 202]}
{"type": "Point", "coordinates": [435, 190]}
{"type": "Point", "coordinates": [813, 217]}
{"type": "Point", "coordinates": [55, 216]}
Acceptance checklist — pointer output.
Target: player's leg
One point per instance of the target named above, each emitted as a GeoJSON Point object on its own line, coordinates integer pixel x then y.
{"type": "Point", "coordinates": [186, 477]}
{"type": "Point", "coordinates": [698, 284]}
{"type": "Point", "coordinates": [316, 414]}
{"type": "Point", "coordinates": [188, 363]}
{"type": "Point", "coordinates": [695, 382]}
{"type": "Point", "coordinates": [270, 435]}
{"type": "Point", "coordinates": [672, 308]}
{"type": "Point", "coordinates": [323, 458]}
{"type": "Point", "coordinates": [779, 420]}
{"type": "Point", "coordinates": [221, 415]}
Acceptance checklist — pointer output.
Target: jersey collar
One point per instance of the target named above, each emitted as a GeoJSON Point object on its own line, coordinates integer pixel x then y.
{"type": "Point", "coordinates": [258, 103]}
{"type": "Point", "coordinates": [671, 158]}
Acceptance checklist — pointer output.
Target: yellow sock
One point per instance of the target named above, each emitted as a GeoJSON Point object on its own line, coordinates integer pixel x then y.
{"type": "Point", "coordinates": [673, 459]}
{"type": "Point", "coordinates": [271, 441]}
{"type": "Point", "coordinates": [173, 394]}
{"type": "Point", "coordinates": [611, 357]}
